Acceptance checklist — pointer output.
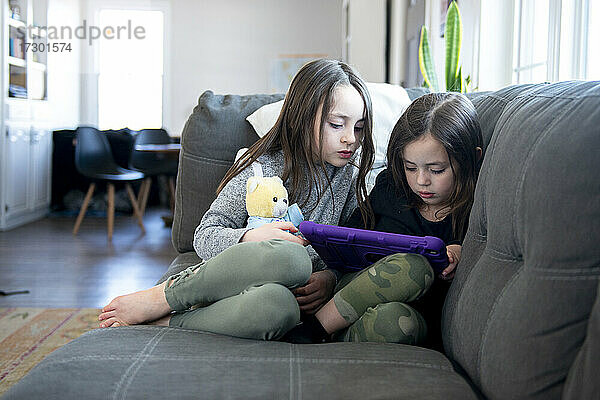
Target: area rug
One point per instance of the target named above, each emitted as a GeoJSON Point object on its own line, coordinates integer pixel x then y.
{"type": "Point", "coordinates": [28, 335]}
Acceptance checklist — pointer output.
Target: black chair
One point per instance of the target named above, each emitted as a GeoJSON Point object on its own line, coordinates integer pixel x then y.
{"type": "Point", "coordinates": [153, 164]}
{"type": "Point", "coordinates": [94, 159]}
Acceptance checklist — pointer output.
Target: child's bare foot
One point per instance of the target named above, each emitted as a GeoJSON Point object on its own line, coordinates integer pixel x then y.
{"type": "Point", "coordinates": [136, 308]}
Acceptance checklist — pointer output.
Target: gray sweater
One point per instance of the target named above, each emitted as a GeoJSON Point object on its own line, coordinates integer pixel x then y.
{"type": "Point", "coordinates": [223, 225]}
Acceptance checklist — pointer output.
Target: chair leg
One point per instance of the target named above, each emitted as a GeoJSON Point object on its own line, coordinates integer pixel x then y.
{"type": "Point", "coordinates": [111, 209]}
{"type": "Point", "coordinates": [143, 195]}
{"type": "Point", "coordinates": [84, 207]}
{"type": "Point", "coordinates": [139, 198]}
{"type": "Point", "coordinates": [172, 193]}
{"type": "Point", "coordinates": [134, 204]}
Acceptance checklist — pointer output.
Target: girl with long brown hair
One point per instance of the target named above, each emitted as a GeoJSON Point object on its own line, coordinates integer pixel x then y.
{"type": "Point", "coordinates": [254, 282]}
{"type": "Point", "coordinates": [433, 159]}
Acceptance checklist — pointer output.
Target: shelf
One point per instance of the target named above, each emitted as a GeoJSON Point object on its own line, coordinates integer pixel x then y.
{"type": "Point", "coordinates": [16, 23]}
{"type": "Point", "coordinates": [37, 65]}
{"type": "Point", "coordinates": [27, 73]}
{"type": "Point", "coordinates": [18, 98]}
{"type": "Point", "coordinates": [19, 62]}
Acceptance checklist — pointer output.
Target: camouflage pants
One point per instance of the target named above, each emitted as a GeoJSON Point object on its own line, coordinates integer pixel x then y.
{"type": "Point", "coordinates": [374, 300]}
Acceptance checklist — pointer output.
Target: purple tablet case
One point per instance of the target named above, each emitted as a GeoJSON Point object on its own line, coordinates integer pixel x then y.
{"type": "Point", "coordinates": [351, 250]}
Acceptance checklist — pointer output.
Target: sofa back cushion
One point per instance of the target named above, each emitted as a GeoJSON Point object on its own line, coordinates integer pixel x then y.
{"type": "Point", "coordinates": [517, 312]}
{"type": "Point", "coordinates": [212, 135]}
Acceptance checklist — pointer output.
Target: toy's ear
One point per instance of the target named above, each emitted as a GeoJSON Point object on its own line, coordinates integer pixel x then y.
{"type": "Point", "coordinates": [278, 179]}
{"type": "Point", "coordinates": [252, 184]}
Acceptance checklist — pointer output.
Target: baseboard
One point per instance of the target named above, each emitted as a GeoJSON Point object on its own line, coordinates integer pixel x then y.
{"type": "Point", "coordinates": [14, 221]}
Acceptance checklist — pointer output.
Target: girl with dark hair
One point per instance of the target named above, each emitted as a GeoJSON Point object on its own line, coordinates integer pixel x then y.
{"type": "Point", "coordinates": [433, 157]}
{"type": "Point", "coordinates": [244, 285]}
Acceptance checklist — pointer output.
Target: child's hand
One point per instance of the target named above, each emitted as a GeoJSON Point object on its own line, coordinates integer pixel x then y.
{"type": "Point", "coordinates": [274, 230]}
{"type": "Point", "coordinates": [316, 292]}
{"type": "Point", "coordinates": [454, 251]}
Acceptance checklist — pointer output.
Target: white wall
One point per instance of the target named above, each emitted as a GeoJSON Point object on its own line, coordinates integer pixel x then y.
{"type": "Point", "coordinates": [367, 31]}
{"type": "Point", "coordinates": [227, 46]}
{"type": "Point", "coordinates": [64, 68]}
{"type": "Point", "coordinates": [398, 42]}
{"type": "Point", "coordinates": [495, 45]}
{"type": "Point", "coordinates": [415, 18]}
{"type": "Point", "coordinates": [469, 55]}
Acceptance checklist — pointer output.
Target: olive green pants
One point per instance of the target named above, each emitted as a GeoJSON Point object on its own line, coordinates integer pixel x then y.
{"type": "Point", "coordinates": [244, 291]}
{"type": "Point", "coordinates": [373, 300]}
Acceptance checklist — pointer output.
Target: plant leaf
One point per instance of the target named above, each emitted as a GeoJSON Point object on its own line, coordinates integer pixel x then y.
{"type": "Point", "coordinates": [467, 83]}
{"type": "Point", "coordinates": [453, 37]}
{"type": "Point", "coordinates": [458, 83]}
{"type": "Point", "coordinates": [426, 62]}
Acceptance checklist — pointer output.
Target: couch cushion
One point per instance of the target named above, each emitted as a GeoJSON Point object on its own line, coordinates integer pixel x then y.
{"type": "Point", "coordinates": [583, 382]}
{"type": "Point", "coordinates": [414, 93]}
{"type": "Point", "coordinates": [212, 135]}
{"type": "Point", "coordinates": [152, 362]}
{"type": "Point", "coordinates": [490, 105]}
{"type": "Point", "coordinates": [516, 314]}
{"type": "Point", "coordinates": [180, 263]}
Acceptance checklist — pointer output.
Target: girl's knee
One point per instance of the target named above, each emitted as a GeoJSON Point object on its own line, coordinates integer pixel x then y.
{"type": "Point", "coordinates": [404, 322]}
{"type": "Point", "coordinates": [293, 261]}
{"type": "Point", "coordinates": [390, 323]}
{"type": "Point", "coordinates": [414, 267]}
{"type": "Point", "coordinates": [275, 309]}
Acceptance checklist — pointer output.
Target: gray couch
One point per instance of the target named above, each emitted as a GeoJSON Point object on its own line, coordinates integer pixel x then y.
{"type": "Point", "coordinates": [522, 319]}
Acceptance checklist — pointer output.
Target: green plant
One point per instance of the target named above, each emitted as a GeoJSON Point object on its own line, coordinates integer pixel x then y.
{"type": "Point", "coordinates": [453, 38]}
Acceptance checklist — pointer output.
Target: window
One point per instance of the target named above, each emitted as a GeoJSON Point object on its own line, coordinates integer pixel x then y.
{"type": "Point", "coordinates": [592, 57]}
{"type": "Point", "coordinates": [552, 40]}
{"type": "Point", "coordinates": [130, 69]}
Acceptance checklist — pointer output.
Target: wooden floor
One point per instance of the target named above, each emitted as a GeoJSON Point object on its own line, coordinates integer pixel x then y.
{"type": "Point", "coordinates": [62, 270]}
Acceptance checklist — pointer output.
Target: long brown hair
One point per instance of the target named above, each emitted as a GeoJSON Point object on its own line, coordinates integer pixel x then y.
{"type": "Point", "coordinates": [452, 120]}
{"type": "Point", "coordinates": [294, 132]}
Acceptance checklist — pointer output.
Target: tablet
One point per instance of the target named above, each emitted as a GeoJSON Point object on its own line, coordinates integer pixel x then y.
{"type": "Point", "coordinates": [351, 250]}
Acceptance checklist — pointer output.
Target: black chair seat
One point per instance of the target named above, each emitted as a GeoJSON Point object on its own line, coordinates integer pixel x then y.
{"type": "Point", "coordinates": [94, 159]}
{"type": "Point", "coordinates": [121, 174]}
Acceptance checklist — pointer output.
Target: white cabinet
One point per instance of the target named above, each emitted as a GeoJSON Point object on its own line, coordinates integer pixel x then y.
{"type": "Point", "coordinates": [17, 169]}
{"type": "Point", "coordinates": [26, 140]}
{"type": "Point", "coordinates": [25, 178]}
